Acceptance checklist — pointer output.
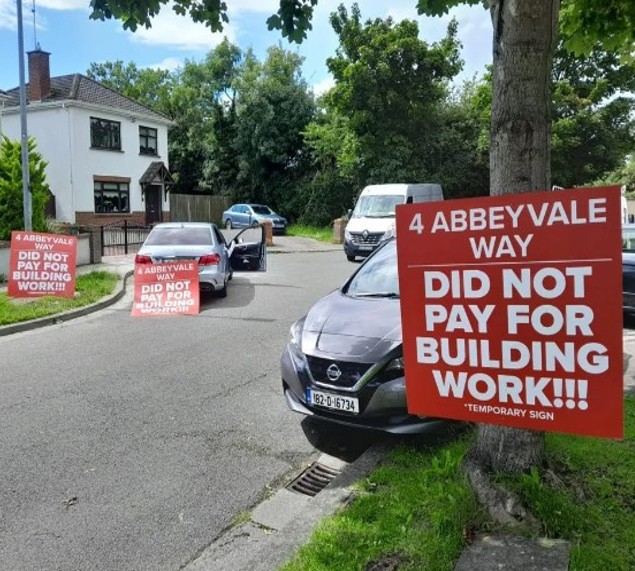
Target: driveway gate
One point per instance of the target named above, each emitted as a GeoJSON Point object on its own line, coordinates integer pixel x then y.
{"type": "Point", "coordinates": [122, 237]}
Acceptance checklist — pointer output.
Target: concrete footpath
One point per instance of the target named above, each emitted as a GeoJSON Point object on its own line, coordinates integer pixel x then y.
{"type": "Point", "coordinates": [274, 530]}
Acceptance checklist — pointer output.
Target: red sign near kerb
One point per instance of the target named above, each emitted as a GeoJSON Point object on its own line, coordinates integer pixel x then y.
{"type": "Point", "coordinates": [170, 288]}
{"type": "Point", "coordinates": [42, 264]}
{"type": "Point", "coordinates": [512, 310]}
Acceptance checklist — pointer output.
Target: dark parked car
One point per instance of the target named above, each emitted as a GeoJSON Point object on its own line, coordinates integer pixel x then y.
{"type": "Point", "coordinates": [344, 361]}
{"type": "Point", "coordinates": [246, 215]}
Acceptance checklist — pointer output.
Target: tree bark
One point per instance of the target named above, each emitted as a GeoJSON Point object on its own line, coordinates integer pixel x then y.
{"type": "Point", "coordinates": [520, 161]}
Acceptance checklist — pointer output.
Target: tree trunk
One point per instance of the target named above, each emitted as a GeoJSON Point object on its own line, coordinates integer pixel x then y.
{"type": "Point", "coordinates": [524, 40]}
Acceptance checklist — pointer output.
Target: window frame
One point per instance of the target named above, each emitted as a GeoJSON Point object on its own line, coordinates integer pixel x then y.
{"type": "Point", "coordinates": [111, 146]}
{"type": "Point", "coordinates": [147, 138]}
{"type": "Point", "coordinates": [120, 192]}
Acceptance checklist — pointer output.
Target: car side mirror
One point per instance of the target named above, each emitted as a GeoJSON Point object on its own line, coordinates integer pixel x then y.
{"type": "Point", "coordinates": [349, 213]}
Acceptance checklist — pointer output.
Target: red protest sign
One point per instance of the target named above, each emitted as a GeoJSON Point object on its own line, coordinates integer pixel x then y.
{"type": "Point", "coordinates": [170, 288]}
{"type": "Point", "coordinates": [42, 264]}
{"type": "Point", "coordinates": [512, 310]}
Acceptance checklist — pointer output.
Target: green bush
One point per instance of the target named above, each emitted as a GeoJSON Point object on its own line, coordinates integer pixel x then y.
{"type": "Point", "coordinates": [11, 204]}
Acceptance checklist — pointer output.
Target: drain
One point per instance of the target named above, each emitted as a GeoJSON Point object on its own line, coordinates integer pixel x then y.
{"type": "Point", "coordinates": [313, 480]}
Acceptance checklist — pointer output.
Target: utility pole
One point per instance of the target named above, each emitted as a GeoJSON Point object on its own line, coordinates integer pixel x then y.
{"type": "Point", "coordinates": [26, 183]}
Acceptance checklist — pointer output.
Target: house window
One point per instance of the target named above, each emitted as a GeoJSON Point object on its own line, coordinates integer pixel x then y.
{"type": "Point", "coordinates": [147, 141]}
{"type": "Point", "coordinates": [105, 134]}
{"type": "Point", "coordinates": [112, 197]}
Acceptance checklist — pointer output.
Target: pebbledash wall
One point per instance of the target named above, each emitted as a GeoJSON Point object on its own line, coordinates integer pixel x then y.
{"type": "Point", "coordinates": [83, 253]}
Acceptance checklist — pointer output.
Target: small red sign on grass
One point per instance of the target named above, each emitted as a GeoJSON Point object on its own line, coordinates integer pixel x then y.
{"type": "Point", "coordinates": [42, 264]}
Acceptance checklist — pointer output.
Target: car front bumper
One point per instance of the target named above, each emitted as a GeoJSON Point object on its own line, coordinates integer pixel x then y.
{"type": "Point", "coordinates": [360, 250]}
{"type": "Point", "coordinates": [382, 405]}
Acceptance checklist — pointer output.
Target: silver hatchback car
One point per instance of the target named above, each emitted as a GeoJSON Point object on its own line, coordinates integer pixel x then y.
{"type": "Point", "coordinates": [203, 242]}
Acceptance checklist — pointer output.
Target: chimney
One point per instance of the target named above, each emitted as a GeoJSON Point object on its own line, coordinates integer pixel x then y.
{"type": "Point", "coordinates": [39, 75]}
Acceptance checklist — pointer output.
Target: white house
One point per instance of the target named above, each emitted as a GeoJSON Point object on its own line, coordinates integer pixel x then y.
{"type": "Point", "coordinates": [107, 154]}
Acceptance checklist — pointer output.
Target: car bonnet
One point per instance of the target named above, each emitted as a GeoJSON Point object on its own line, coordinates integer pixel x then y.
{"type": "Point", "coordinates": [364, 329]}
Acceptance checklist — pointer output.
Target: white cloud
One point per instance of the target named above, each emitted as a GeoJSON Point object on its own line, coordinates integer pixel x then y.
{"type": "Point", "coordinates": [259, 6]}
{"type": "Point", "coordinates": [62, 4]}
{"type": "Point", "coordinates": [8, 18]}
{"type": "Point", "coordinates": [180, 32]}
{"type": "Point", "coordinates": [323, 86]}
{"type": "Point", "coordinates": [169, 64]}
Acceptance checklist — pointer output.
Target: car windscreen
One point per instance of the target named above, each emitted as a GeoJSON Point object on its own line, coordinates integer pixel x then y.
{"type": "Point", "coordinates": [378, 277]}
{"type": "Point", "coordinates": [377, 205]}
{"type": "Point", "coordinates": [261, 210]}
{"type": "Point", "coordinates": [628, 239]}
{"type": "Point", "coordinates": [184, 236]}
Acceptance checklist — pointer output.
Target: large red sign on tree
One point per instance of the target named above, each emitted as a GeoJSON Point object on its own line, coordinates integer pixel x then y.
{"type": "Point", "coordinates": [512, 310]}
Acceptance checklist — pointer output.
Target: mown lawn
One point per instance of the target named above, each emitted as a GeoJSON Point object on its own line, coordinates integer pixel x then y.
{"type": "Point", "coordinates": [89, 288]}
{"type": "Point", "coordinates": [416, 511]}
{"type": "Point", "coordinates": [321, 234]}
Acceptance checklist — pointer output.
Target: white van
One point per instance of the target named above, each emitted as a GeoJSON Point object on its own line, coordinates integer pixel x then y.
{"type": "Point", "coordinates": [373, 219]}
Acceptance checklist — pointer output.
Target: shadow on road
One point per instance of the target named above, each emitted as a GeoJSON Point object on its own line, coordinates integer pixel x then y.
{"type": "Point", "coordinates": [347, 443]}
{"type": "Point", "coordinates": [240, 293]}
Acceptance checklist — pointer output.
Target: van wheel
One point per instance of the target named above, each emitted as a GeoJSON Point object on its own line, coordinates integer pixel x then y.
{"type": "Point", "coordinates": [350, 258]}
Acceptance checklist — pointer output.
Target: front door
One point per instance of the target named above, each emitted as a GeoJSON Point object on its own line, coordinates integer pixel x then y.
{"type": "Point", "coordinates": [153, 204]}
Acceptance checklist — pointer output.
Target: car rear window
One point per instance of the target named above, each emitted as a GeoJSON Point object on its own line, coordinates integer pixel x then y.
{"type": "Point", "coordinates": [180, 237]}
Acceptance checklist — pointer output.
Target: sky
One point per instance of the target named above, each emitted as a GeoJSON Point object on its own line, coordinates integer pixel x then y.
{"type": "Point", "coordinates": [63, 28]}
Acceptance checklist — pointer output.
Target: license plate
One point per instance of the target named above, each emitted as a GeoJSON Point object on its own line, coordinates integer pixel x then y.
{"type": "Point", "coordinates": [365, 247]}
{"type": "Point", "coordinates": [333, 402]}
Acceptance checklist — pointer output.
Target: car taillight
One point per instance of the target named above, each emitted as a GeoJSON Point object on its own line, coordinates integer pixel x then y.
{"type": "Point", "coordinates": [210, 259]}
{"type": "Point", "coordinates": [139, 259]}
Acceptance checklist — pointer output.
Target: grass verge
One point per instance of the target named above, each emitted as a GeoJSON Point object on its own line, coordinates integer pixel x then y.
{"type": "Point", "coordinates": [89, 288]}
{"type": "Point", "coordinates": [321, 234]}
{"type": "Point", "coordinates": [412, 513]}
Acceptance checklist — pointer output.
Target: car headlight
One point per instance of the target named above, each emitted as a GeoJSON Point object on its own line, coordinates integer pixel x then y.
{"type": "Point", "coordinates": [347, 235]}
{"type": "Point", "coordinates": [393, 370]}
{"type": "Point", "coordinates": [295, 342]}
{"type": "Point", "coordinates": [389, 233]}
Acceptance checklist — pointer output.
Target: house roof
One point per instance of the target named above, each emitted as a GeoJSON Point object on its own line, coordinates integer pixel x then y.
{"type": "Point", "coordinates": [4, 96]}
{"type": "Point", "coordinates": [78, 87]}
{"type": "Point", "coordinates": [156, 171]}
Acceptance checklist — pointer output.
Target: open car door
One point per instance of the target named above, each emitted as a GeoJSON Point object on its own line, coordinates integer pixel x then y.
{"type": "Point", "coordinates": [248, 250]}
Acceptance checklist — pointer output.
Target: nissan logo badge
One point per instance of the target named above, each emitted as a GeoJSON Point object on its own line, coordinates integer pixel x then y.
{"type": "Point", "coordinates": [333, 372]}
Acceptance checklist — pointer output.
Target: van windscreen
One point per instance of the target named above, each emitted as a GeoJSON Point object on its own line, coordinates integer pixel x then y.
{"type": "Point", "coordinates": [377, 205]}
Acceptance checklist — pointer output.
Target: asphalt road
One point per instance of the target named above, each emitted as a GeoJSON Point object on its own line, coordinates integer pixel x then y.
{"type": "Point", "coordinates": [131, 443]}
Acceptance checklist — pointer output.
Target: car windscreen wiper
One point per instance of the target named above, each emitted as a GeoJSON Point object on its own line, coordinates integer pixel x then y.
{"type": "Point", "coordinates": [389, 294]}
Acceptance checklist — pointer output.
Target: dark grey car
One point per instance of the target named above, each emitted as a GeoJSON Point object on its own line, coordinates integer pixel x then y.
{"type": "Point", "coordinates": [344, 361]}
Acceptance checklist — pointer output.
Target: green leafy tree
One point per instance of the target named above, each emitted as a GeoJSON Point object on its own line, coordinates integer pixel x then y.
{"type": "Point", "coordinates": [390, 85]}
{"type": "Point", "coordinates": [273, 107]}
{"type": "Point", "coordinates": [11, 199]}
{"type": "Point", "coordinates": [150, 87]}
{"type": "Point", "coordinates": [520, 151]}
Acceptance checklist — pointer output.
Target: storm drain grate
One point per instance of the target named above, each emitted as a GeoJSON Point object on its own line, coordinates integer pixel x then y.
{"type": "Point", "coordinates": [313, 480]}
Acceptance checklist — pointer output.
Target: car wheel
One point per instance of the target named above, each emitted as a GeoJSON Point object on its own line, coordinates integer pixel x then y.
{"type": "Point", "coordinates": [222, 292]}
{"type": "Point", "coordinates": [350, 258]}
{"type": "Point", "coordinates": [231, 275]}
{"type": "Point", "coordinates": [228, 224]}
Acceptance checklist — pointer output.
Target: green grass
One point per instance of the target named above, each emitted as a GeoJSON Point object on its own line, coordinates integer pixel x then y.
{"type": "Point", "coordinates": [592, 501]}
{"type": "Point", "coordinates": [321, 234]}
{"type": "Point", "coordinates": [89, 288]}
{"type": "Point", "coordinates": [413, 510]}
